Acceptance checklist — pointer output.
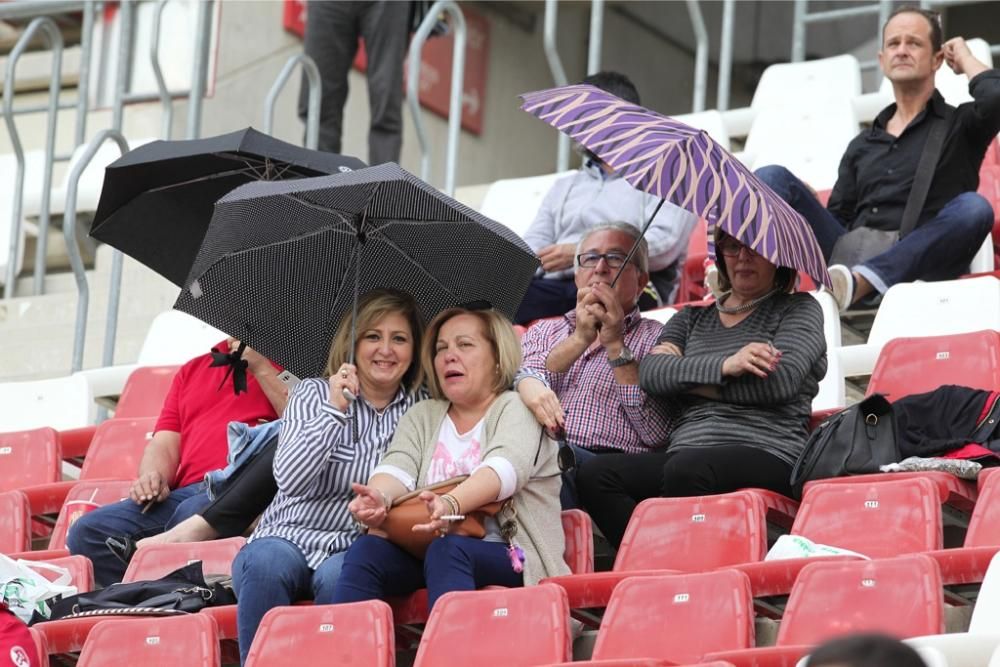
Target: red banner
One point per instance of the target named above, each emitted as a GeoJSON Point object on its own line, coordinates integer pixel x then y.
{"type": "Point", "coordinates": [436, 61]}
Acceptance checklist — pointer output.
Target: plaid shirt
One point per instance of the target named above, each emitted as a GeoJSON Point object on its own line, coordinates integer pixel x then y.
{"type": "Point", "coordinates": [600, 413]}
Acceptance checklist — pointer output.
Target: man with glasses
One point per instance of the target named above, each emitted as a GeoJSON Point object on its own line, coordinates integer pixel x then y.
{"type": "Point", "coordinates": [580, 374]}
{"type": "Point", "coordinates": [593, 195]}
{"type": "Point", "coordinates": [885, 222]}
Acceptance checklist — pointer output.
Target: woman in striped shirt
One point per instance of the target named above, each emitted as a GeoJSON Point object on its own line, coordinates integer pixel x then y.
{"type": "Point", "coordinates": [742, 374]}
{"type": "Point", "coordinates": [297, 549]}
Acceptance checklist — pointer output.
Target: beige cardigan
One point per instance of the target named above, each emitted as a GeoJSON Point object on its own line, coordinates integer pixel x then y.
{"type": "Point", "coordinates": [511, 432]}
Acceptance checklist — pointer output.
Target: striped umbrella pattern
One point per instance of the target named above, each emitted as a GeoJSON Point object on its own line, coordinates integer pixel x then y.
{"type": "Point", "coordinates": [683, 165]}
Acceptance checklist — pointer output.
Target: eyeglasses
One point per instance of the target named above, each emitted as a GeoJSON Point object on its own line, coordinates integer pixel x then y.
{"type": "Point", "coordinates": [732, 249]}
{"type": "Point", "coordinates": [589, 260]}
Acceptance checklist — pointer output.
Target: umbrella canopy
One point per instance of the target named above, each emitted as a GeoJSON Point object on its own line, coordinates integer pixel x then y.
{"type": "Point", "coordinates": [680, 164]}
{"type": "Point", "coordinates": [283, 262]}
{"type": "Point", "coordinates": [158, 199]}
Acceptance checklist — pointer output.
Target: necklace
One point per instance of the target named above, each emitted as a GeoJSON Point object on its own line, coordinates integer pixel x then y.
{"type": "Point", "coordinates": [749, 305]}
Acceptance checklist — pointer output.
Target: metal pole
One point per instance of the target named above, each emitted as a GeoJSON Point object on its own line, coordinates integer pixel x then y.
{"type": "Point", "coordinates": [413, 87]}
{"type": "Point", "coordinates": [799, 31]}
{"type": "Point", "coordinates": [199, 69]}
{"type": "Point", "coordinates": [701, 55]}
{"type": "Point", "coordinates": [455, 103]}
{"type": "Point", "coordinates": [596, 36]}
{"type": "Point", "coordinates": [26, 9]}
{"type": "Point", "coordinates": [125, 20]}
{"type": "Point", "coordinates": [50, 31]}
{"type": "Point", "coordinates": [166, 103]}
{"type": "Point", "coordinates": [725, 55]}
{"type": "Point", "coordinates": [83, 85]}
{"type": "Point", "coordinates": [315, 90]}
{"type": "Point", "coordinates": [558, 73]}
{"type": "Point", "coordinates": [76, 260]}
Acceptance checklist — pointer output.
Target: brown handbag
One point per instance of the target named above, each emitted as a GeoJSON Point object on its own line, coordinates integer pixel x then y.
{"type": "Point", "coordinates": [409, 510]}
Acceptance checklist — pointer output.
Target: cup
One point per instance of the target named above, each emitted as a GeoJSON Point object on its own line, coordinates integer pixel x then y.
{"type": "Point", "coordinates": [77, 508]}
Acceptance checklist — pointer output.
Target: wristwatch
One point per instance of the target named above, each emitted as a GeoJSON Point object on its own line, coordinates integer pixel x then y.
{"type": "Point", "coordinates": [626, 357]}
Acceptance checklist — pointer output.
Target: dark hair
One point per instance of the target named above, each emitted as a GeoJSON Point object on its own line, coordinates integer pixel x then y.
{"type": "Point", "coordinates": [614, 83]}
{"type": "Point", "coordinates": [865, 650]}
{"type": "Point", "coordinates": [933, 19]}
{"type": "Point", "coordinates": [784, 277]}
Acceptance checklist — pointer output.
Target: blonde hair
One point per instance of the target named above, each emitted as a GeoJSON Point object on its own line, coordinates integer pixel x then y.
{"type": "Point", "coordinates": [498, 331]}
{"type": "Point", "coordinates": [372, 307]}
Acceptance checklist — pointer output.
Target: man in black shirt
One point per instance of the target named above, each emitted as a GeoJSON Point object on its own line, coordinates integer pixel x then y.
{"type": "Point", "coordinates": [878, 168]}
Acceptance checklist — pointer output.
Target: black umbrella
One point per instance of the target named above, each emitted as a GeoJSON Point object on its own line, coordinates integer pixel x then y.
{"type": "Point", "coordinates": [283, 262]}
{"type": "Point", "coordinates": [158, 199]}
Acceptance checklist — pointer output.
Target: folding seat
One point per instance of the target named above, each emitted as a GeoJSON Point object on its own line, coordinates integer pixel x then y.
{"type": "Point", "coordinates": [968, 564]}
{"type": "Point", "coordinates": [915, 365]}
{"type": "Point", "coordinates": [880, 519]}
{"type": "Point", "coordinates": [145, 391]}
{"type": "Point", "coordinates": [114, 453]}
{"type": "Point", "coordinates": [156, 560]}
{"type": "Point", "coordinates": [526, 626]}
{"type": "Point", "coordinates": [15, 522]}
{"type": "Point", "coordinates": [190, 640]}
{"type": "Point", "coordinates": [677, 617]}
{"type": "Point", "coordinates": [41, 647]}
{"type": "Point", "coordinates": [357, 634]}
{"type": "Point", "coordinates": [578, 535]}
{"type": "Point", "coordinates": [81, 497]}
{"type": "Point", "coordinates": [901, 597]}
{"type": "Point", "coordinates": [671, 535]}
{"type": "Point", "coordinates": [29, 457]}
{"type": "Point", "coordinates": [692, 279]}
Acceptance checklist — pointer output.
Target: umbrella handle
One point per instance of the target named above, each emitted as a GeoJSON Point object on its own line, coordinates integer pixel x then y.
{"type": "Point", "coordinates": [635, 246]}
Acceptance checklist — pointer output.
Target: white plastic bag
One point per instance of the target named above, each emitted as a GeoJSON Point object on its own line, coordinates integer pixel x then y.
{"type": "Point", "coordinates": [796, 546]}
{"type": "Point", "coordinates": [25, 591]}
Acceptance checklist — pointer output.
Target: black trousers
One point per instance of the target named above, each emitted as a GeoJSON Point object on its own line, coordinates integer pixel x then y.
{"type": "Point", "coordinates": [610, 487]}
{"type": "Point", "coordinates": [249, 491]}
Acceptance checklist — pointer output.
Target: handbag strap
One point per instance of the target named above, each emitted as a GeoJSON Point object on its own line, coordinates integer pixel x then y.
{"type": "Point", "coordinates": [925, 171]}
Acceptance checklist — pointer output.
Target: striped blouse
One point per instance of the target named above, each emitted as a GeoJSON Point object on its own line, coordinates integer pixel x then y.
{"type": "Point", "coordinates": [769, 413]}
{"type": "Point", "coordinates": [316, 462]}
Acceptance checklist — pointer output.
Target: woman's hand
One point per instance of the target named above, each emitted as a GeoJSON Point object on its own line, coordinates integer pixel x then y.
{"type": "Point", "coordinates": [436, 508]}
{"type": "Point", "coordinates": [369, 506]}
{"type": "Point", "coordinates": [346, 377]}
{"type": "Point", "coordinates": [756, 358]}
{"type": "Point", "coordinates": [542, 402]}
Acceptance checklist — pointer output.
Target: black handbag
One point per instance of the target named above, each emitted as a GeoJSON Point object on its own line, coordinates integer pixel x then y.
{"type": "Point", "coordinates": [855, 441]}
{"type": "Point", "coordinates": [184, 590]}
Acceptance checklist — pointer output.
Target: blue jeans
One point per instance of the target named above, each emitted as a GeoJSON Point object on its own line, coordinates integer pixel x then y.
{"type": "Point", "coordinates": [568, 499]}
{"type": "Point", "coordinates": [271, 572]}
{"type": "Point", "coordinates": [939, 249]}
{"type": "Point", "coordinates": [546, 297]}
{"type": "Point", "coordinates": [125, 519]}
{"type": "Point", "coordinates": [375, 568]}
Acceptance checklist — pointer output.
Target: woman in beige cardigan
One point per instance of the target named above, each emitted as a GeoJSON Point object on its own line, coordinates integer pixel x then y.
{"type": "Point", "coordinates": [475, 427]}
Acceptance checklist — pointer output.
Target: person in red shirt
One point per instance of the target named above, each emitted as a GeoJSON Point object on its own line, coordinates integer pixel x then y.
{"type": "Point", "coordinates": [189, 440]}
{"type": "Point", "coordinates": [17, 648]}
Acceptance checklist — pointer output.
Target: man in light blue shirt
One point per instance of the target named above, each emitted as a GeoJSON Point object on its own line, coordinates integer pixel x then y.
{"type": "Point", "coordinates": [593, 196]}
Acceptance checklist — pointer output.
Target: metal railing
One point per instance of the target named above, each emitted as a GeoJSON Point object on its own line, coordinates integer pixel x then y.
{"type": "Point", "coordinates": [596, 36]}
{"type": "Point", "coordinates": [701, 55]}
{"type": "Point", "coordinates": [76, 260]}
{"type": "Point", "coordinates": [558, 72]}
{"type": "Point", "coordinates": [725, 55]}
{"type": "Point", "coordinates": [53, 37]}
{"type": "Point", "coordinates": [802, 18]}
{"type": "Point", "coordinates": [455, 99]}
{"type": "Point", "coordinates": [315, 92]}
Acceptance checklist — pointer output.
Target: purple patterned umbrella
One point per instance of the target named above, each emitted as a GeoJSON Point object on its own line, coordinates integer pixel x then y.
{"type": "Point", "coordinates": [678, 163]}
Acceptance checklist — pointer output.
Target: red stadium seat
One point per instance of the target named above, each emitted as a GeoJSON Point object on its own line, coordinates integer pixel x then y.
{"type": "Point", "coordinates": [704, 613]}
{"type": "Point", "coordinates": [41, 647]}
{"type": "Point", "coordinates": [526, 626]}
{"type": "Point", "coordinates": [358, 634]}
{"type": "Point", "coordinates": [156, 560]}
{"type": "Point", "coordinates": [100, 493]}
{"type": "Point", "coordinates": [29, 457]}
{"type": "Point", "coordinates": [669, 535]}
{"type": "Point", "coordinates": [578, 533]}
{"type": "Point", "coordinates": [15, 522]}
{"type": "Point", "coordinates": [81, 571]}
{"type": "Point", "coordinates": [901, 597]}
{"type": "Point", "coordinates": [916, 365]}
{"type": "Point", "coordinates": [180, 641]}
{"type": "Point", "coordinates": [969, 563]}
{"type": "Point", "coordinates": [145, 391]}
{"type": "Point", "coordinates": [691, 286]}
{"type": "Point", "coordinates": [114, 453]}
